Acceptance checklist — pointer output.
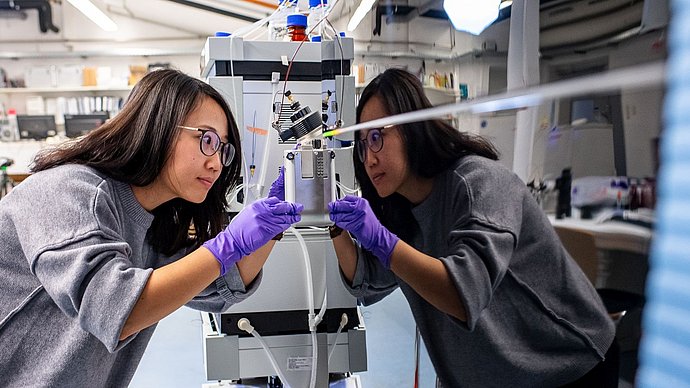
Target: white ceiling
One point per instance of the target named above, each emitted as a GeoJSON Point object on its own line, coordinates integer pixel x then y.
{"type": "Point", "coordinates": [170, 27]}
{"type": "Point", "coordinates": [161, 26]}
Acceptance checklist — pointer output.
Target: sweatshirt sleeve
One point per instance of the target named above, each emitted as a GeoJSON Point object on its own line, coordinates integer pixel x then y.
{"type": "Point", "coordinates": [225, 292]}
{"type": "Point", "coordinates": [482, 240]}
{"type": "Point", "coordinates": [371, 282]}
{"type": "Point", "coordinates": [75, 248]}
{"type": "Point", "coordinates": [478, 260]}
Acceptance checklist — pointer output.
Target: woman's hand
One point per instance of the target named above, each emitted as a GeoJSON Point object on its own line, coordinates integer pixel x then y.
{"type": "Point", "coordinates": [355, 215]}
{"type": "Point", "coordinates": [278, 186]}
{"type": "Point", "coordinates": [251, 229]}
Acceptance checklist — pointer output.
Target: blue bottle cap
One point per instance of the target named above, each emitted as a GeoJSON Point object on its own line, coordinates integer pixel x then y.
{"type": "Point", "coordinates": [316, 38]}
{"type": "Point", "coordinates": [316, 3]}
{"type": "Point", "coordinates": [222, 33]}
{"type": "Point", "coordinates": [297, 19]}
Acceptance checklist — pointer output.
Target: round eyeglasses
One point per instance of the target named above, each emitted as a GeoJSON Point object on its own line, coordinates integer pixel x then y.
{"type": "Point", "coordinates": [209, 144]}
{"type": "Point", "coordinates": [374, 142]}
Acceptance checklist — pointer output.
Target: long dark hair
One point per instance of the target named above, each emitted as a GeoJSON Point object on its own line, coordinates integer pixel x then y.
{"type": "Point", "coordinates": [134, 146]}
{"type": "Point", "coordinates": [431, 146]}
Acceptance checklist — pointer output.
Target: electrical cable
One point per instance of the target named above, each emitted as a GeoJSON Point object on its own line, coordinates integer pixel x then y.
{"type": "Point", "coordinates": [310, 300]}
{"type": "Point", "coordinates": [261, 183]}
{"type": "Point", "coordinates": [314, 360]}
{"type": "Point", "coordinates": [339, 119]}
{"type": "Point", "coordinates": [245, 325]}
{"type": "Point", "coordinates": [245, 168]}
{"type": "Point", "coordinates": [307, 269]}
{"type": "Point", "coordinates": [347, 189]}
{"type": "Point", "coordinates": [253, 165]}
{"type": "Point", "coordinates": [242, 32]}
{"type": "Point", "coordinates": [343, 322]}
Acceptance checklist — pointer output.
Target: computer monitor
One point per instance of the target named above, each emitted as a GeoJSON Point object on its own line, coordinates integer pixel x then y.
{"type": "Point", "coordinates": [36, 126]}
{"type": "Point", "coordinates": [78, 125]}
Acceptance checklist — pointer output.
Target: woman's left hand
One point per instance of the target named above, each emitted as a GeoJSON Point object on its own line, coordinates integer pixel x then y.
{"type": "Point", "coordinates": [355, 215]}
{"type": "Point", "coordinates": [278, 186]}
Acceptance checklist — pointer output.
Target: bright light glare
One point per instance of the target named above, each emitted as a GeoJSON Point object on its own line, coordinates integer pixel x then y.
{"type": "Point", "coordinates": [472, 16]}
{"type": "Point", "coordinates": [96, 15]}
{"type": "Point", "coordinates": [360, 13]}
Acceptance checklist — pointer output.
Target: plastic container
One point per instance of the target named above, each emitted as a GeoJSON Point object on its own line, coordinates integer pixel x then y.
{"type": "Point", "coordinates": [10, 130]}
{"type": "Point", "coordinates": [317, 11]}
{"type": "Point", "coordinates": [297, 27]}
{"type": "Point", "coordinates": [277, 25]}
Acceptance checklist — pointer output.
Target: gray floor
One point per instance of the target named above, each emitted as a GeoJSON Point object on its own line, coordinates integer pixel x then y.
{"type": "Point", "coordinates": [174, 357]}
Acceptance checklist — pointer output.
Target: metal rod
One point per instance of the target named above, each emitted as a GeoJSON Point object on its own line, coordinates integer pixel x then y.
{"type": "Point", "coordinates": [634, 77]}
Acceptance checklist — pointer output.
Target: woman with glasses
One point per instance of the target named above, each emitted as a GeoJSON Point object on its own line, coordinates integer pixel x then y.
{"type": "Point", "coordinates": [496, 298]}
{"type": "Point", "coordinates": [96, 244]}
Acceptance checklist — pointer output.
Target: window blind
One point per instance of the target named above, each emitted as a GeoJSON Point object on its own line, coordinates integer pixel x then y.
{"type": "Point", "coordinates": [665, 347]}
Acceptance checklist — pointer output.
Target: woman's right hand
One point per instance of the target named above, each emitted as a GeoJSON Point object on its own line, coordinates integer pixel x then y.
{"type": "Point", "coordinates": [251, 229]}
{"type": "Point", "coordinates": [356, 216]}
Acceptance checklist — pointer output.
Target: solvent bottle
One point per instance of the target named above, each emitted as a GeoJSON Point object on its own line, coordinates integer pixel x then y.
{"type": "Point", "coordinates": [277, 25]}
{"type": "Point", "coordinates": [297, 27]}
{"type": "Point", "coordinates": [317, 11]}
{"type": "Point", "coordinates": [13, 126]}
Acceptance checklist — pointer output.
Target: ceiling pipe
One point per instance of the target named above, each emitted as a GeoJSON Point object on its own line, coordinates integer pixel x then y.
{"type": "Point", "coordinates": [215, 10]}
{"type": "Point", "coordinates": [262, 3]}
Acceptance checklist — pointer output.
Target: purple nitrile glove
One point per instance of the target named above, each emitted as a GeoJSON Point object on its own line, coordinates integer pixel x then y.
{"type": "Point", "coordinates": [355, 215]}
{"type": "Point", "coordinates": [251, 229]}
{"type": "Point", "coordinates": [278, 186]}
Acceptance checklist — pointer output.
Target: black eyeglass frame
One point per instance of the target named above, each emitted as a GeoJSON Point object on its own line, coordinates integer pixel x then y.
{"type": "Point", "coordinates": [363, 144]}
{"type": "Point", "coordinates": [225, 160]}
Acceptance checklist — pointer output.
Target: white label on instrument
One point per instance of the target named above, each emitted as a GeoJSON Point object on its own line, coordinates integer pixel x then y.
{"type": "Point", "coordinates": [299, 363]}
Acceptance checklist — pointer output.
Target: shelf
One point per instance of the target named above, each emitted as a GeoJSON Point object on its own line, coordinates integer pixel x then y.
{"type": "Point", "coordinates": [74, 89]}
{"type": "Point", "coordinates": [447, 92]}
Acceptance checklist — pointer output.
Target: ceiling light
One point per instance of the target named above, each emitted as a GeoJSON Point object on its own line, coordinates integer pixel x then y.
{"type": "Point", "coordinates": [360, 13]}
{"type": "Point", "coordinates": [96, 15]}
{"type": "Point", "coordinates": [472, 16]}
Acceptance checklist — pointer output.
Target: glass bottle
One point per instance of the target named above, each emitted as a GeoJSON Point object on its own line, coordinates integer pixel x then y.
{"type": "Point", "coordinates": [317, 11]}
{"type": "Point", "coordinates": [297, 27]}
{"type": "Point", "coordinates": [277, 25]}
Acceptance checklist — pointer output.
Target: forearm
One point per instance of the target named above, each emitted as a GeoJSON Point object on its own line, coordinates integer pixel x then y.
{"type": "Point", "coordinates": [250, 265]}
{"type": "Point", "coordinates": [170, 287]}
{"type": "Point", "coordinates": [429, 278]}
{"type": "Point", "coordinates": [346, 251]}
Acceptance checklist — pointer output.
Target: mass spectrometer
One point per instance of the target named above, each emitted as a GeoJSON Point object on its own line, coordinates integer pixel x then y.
{"type": "Point", "coordinates": [301, 324]}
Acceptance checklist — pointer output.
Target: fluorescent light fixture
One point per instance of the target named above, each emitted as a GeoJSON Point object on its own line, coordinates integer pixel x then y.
{"type": "Point", "coordinates": [96, 15]}
{"type": "Point", "coordinates": [360, 13]}
{"type": "Point", "coordinates": [472, 16]}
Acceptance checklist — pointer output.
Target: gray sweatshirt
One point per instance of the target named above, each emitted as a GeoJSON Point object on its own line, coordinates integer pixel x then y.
{"type": "Point", "coordinates": [533, 318]}
{"type": "Point", "coordinates": [74, 259]}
